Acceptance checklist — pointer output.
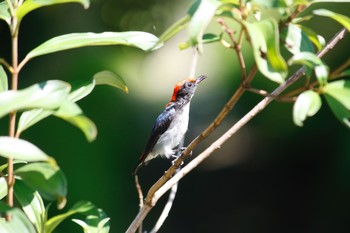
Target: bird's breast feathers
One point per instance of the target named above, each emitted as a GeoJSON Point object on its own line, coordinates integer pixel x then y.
{"type": "Point", "coordinates": [173, 135]}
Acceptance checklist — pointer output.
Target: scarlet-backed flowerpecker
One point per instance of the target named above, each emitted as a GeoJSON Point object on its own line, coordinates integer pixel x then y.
{"type": "Point", "coordinates": [171, 125]}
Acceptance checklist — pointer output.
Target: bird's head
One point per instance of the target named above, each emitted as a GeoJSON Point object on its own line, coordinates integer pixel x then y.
{"type": "Point", "coordinates": [185, 89]}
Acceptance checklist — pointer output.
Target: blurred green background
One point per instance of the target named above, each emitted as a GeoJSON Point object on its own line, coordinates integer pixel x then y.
{"type": "Point", "coordinates": [270, 177]}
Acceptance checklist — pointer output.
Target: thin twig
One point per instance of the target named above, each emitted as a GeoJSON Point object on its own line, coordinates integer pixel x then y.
{"type": "Point", "coordinates": [140, 195]}
{"type": "Point", "coordinates": [167, 207]}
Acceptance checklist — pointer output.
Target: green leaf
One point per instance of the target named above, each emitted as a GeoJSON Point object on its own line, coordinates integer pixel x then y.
{"type": "Point", "coordinates": [307, 104]}
{"type": "Point", "coordinates": [96, 221]}
{"type": "Point", "coordinates": [342, 19]}
{"type": "Point", "coordinates": [31, 203]}
{"type": "Point", "coordinates": [109, 78]}
{"type": "Point", "coordinates": [3, 188]}
{"type": "Point", "coordinates": [296, 40]}
{"type": "Point", "coordinates": [339, 90]}
{"type": "Point", "coordinates": [174, 29]}
{"type": "Point", "coordinates": [48, 95]}
{"type": "Point", "coordinates": [312, 61]}
{"type": "Point", "coordinates": [19, 221]}
{"type": "Point", "coordinates": [87, 126]}
{"type": "Point", "coordinates": [316, 39]}
{"type": "Point", "coordinates": [211, 38]}
{"type": "Point", "coordinates": [30, 5]}
{"type": "Point", "coordinates": [5, 12]}
{"type": "Point", "coordinates": [20, 149]}
{"type": "Point", "coordinates": [3, 80]}
{"type": "Point", "coordinates": [81, 89]}
{"type": "Point", "coordinates": [200, 20]}
{"type": "Point", "coordinates": [53, 222]}
{"type": "Point", "coordinates": [265, 42]}
{"type": "Point", "coordinates": [47, 178]}
{"type": "Point", "coordinates": [339, 110]}
{"type": "Point", "coordinates": [30, 118]}
{"type": "Point", "coordinates": [141, 40]}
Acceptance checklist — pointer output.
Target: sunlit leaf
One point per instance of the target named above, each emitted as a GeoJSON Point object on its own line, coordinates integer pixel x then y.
{"type": "Point", "coordinates": [5, 12]}
{"type": "Point", "coordinates": [86, 125]}
{"type": "Point", "coordinates": [3, 80]}
{"type": "Point", "coordinates": [81, 90]}
{"type": "Point", "coordinates": [200, 20]}
{"type": "Point", "coordinates": [296, 40]}
{"type": "Point", "coordinates": [20, 149]}
{"type": "Point", "coordinates": [30, 118]}
{"type": "Point", "coordinates": [171, 31]}
{"type": "Point", "coordinates": [3, 187]}
{"type": "Point", "coordinates": [307, 104]}
{"type": "Point", "coordinates": [342, 19]}
{"type": "Point", "coordinates": [141, 40]}
{"type": "Point", "coordinates": [80, 207]}
{"type": "Point", "coordinates": [112, 79]}
{"type": "Point", "coordinates": [339, 90]}
{"type": "Point", "coordinates": [48, 95]}
{"type": "Point", "coordinates": [30, 5]}
{"type": "Point", "coordinates": [339, 110]}
{"type": "Point", "coordinates": [19, 221]}
{"type": "Point", "coordinates": [47, 178]}
{"type": "Point", "coordinates": [31, 203]}
{"type": "Point", "coordinates": [265, 41]}
{"type": "Point", "coordinates": [312, 61]}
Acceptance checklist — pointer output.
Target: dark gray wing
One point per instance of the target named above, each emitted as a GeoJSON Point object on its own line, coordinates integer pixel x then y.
{"type": "Point", "coordinates": [160, 126]}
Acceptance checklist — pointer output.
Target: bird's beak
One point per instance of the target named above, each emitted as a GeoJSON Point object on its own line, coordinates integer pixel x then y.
{"type": "Point", "coordinates": [200, 79]}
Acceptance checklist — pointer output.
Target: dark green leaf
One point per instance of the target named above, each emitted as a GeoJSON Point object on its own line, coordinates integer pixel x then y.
{"type": "Point", "coordinates": [53, 222]}
{"type": "Point", "coordinates": [340, 90]}
{"type": "Point", "coordinates": [20, 149]}
{"type": "Point", "coordinates": [211, 38]}
{"type": "Point", "coordinates": [339, 110]}
{"type": "Point", "coordinates": [3, 80]}
{"type": "Point", "coordinates": [47, 95]}
{"type": "Point", "coordinates": [112, 79]}
{"type": "Point", "coordinates": [31, 203]}
{"type": "Point", "coordinates": [307, 104]}
{"type": "Point", "coordinates": [316, 39]}
{"type": "Point", "coordinates": [342, 19]}
{"type": "Point", "coordinates": [296, 40]}
{"type": "Point", "coordinates": [264, 37]}
{"type": "Point", "coordinates": [47, 178]}
{"type": "Point", "coordinates": [200, 20]}
{"type": "Point", "coordinates": [141, 40]}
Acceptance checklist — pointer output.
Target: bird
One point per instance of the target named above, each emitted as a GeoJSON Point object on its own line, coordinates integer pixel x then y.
{"type": "Point", "coordinates": [171, 125]}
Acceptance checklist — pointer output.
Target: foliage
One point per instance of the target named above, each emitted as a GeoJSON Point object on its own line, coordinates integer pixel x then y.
{"type": "Point", "coordinates": [271, 27]}
{"type": "Point", "coordinates": [37, 176]}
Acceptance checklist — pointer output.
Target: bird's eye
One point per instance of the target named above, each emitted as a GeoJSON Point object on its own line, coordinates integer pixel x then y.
{"type": "Point", "coordinates": [189, 84]}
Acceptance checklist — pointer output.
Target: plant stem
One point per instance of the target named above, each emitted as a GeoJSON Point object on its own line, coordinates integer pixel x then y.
{"type": "Point", "coordinates": [12, 121]}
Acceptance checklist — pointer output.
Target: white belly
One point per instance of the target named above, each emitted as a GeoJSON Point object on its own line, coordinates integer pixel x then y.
{"type": "Point", "coordinates": [172, 136]}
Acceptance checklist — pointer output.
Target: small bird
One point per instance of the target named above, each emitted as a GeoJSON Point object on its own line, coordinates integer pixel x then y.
{"type": "Point", "coordinates": [171, 125]}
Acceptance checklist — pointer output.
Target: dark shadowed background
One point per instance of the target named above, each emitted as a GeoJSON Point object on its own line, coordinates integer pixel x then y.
{"type": "Point", "coordinates": [270, 177]}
